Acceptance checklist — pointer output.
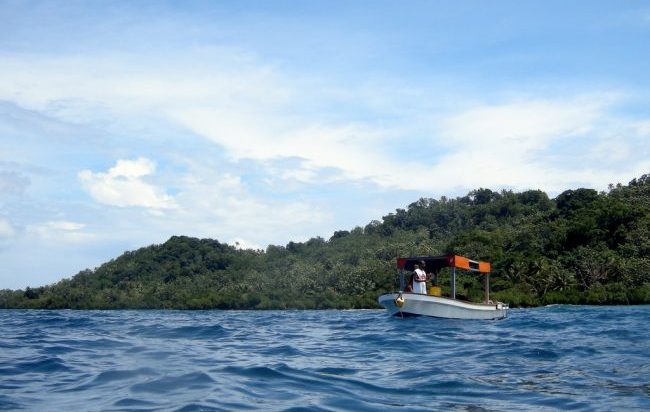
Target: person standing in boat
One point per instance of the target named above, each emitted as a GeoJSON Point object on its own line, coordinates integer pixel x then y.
{"type": "Point", "coordinates": [419, 278]}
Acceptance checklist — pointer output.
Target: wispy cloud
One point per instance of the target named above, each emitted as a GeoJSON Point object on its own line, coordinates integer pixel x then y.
{"type": "Point", "coordinates": [6, 229]}
{"type": "Point", "coordinates": [256, 114]}
{"type": "Point", "coordinates": [508, 143]}
{"type": "Point", "coordinates": [60, 231]}
{"type": "Point", "coordinates": [12, 183]}
{"type": "Point", "coordinates": [355, 149]}
{"type": "Point", "coordinates": [125, 83]}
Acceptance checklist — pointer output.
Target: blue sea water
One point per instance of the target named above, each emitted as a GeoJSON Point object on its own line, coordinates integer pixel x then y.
{"type": "Point", "coordinates": [558, 357]}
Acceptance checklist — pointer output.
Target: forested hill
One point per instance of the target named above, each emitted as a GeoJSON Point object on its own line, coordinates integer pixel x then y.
{"type": "Point", "coordinates": [581, 247]}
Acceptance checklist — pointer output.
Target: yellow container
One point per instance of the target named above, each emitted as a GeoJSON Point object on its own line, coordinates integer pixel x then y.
{"type": "Point", "coordinates": [435, 291]}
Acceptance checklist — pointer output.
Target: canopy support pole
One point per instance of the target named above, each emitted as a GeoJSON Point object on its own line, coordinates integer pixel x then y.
{"type": "Point", "coordinates": [487, 287]}
{"type": "Point", "coordinates": [453, 283]}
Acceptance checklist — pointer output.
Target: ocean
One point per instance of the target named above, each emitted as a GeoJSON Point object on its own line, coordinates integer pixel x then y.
{"type": "Point", "coordinates": [550, 358]}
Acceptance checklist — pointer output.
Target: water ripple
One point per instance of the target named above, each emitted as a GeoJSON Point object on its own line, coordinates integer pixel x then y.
{"type": "Point", "coordinates": [558, 357]}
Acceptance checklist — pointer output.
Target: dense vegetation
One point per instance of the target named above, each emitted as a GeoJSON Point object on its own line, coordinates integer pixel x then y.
{"type": "Point", "coordinates": [582, 247]}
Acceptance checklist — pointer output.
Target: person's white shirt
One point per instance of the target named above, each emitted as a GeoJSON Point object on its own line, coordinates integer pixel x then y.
{"type": "Point", "coordinates": [419, 281]}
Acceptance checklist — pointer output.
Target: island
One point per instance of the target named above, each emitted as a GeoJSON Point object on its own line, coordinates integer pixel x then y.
{"type": "Point", "coordinates": [581, 247]}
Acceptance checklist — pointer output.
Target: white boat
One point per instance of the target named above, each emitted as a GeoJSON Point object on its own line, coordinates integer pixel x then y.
{"type": "Point", "coordinates": [405, 303]}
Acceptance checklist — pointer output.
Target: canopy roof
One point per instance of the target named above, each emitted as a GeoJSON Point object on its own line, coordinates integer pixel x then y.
{"type": "Point", "coordinates": [435, 263]}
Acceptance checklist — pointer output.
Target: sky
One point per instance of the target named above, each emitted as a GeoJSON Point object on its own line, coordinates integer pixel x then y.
{"type": "Point", "coordinates": [265, 122]}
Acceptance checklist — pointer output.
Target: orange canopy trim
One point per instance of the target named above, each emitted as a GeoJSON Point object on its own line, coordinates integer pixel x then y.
{"type": "Point", "coordinates": [467, 264]}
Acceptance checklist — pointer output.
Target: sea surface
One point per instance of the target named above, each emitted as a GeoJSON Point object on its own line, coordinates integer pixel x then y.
{"type": "Point", "coordinates": [557, 357]}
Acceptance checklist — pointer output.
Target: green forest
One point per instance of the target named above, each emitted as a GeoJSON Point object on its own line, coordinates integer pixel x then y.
{"type": "Point", "coordinates": [582, 247]}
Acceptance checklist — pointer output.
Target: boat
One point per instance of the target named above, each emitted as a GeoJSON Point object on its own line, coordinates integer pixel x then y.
{"type": "Point", "coordinates": [405, 303]}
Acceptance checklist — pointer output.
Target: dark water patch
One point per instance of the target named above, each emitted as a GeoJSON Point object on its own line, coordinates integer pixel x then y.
{"type": "Point", "coordinates": [7, 371]}
{"type": "Point", "coordinates": [336, 371]}
{"type": "Point", "coordinates": [541, 354]}
{"type": "Point", "coordinates": [170, 384]}
{"type": "Point", "coordinates": [132, 403]}
{"type": "Point", "coordinates": [119, 375]}
{"type": "Point", "coordinates": [159, 355]}
{"type": "Point", "coordinates": [587, 351]}
{"type": "Point", "coordinates": [281, 350]}
{"type": "Point", "coordinates": [137, 349]}
{"type": "Point", "coordinates": [70, 383]}
{"type": "Point", "coordinates": [258, 372]}
{"type": "Point", "coordinates": [311, 408]}
{"type": "Point", "coordinates": [198, 407]}
{"type": "Point", "coordinates": [181, 332]}
{"type": "Point", "coordinates": [6, 404]}
{"type": "Point", "coordinates": [103, 343]}
{"type": "Point", "coordinates": [233, 406]}
{"type": "Point", "coordinates": [41, 364]}
{"type": "Point", "coordinates": [60, 349]}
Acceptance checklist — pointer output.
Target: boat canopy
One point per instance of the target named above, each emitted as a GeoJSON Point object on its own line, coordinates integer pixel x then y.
{"type": "Point", "coordinates": [435, 263]}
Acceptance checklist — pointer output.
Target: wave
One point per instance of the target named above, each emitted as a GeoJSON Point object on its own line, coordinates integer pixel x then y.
{"type": "Point", "coordinates": [559, 357]}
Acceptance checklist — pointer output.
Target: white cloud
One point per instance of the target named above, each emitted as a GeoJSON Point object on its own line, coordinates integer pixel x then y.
{"type": "Point", "coordinates": [132, 169]}
{"type": "Point", "coordinates": [123, 186]}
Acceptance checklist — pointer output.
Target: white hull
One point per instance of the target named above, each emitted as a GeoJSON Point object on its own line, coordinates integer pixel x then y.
{"type": "Point", "coordinates": [439, 307]}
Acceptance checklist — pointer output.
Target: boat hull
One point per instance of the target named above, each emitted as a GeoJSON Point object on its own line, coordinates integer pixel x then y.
{"type": "Point", "coordinates": [439, 307]}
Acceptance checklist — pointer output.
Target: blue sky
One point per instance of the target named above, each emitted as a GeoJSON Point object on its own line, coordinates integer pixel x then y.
{"type": "Point", "coordinates": [124, 123]}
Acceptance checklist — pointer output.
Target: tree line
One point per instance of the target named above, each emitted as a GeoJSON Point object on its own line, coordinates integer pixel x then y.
{"type": "Point", "coordinates": [582, 247]}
